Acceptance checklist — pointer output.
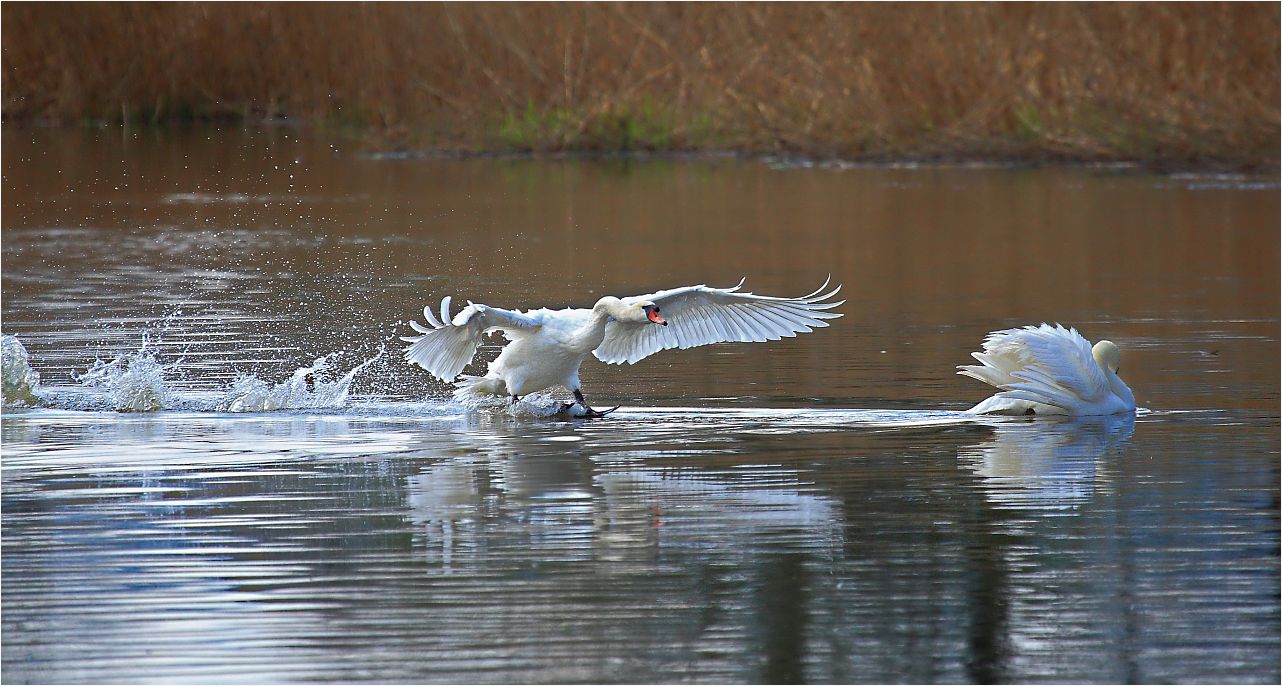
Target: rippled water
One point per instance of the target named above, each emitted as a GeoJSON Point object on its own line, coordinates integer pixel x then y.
{"type": "Point", "coordinates": [307, 508]}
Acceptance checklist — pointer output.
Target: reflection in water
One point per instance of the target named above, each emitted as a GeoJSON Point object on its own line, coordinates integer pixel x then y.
{"type": "Point", "coordinates": [1046, 464]}
{"type": "Point", "coordinates": [1041, 466]}
{"type": "Point", "coordinates": [567, 508]}
{"type": "Point", "coordinates": [519, 505]}
{"type": "Point", "coordinates": [491, 548]}
{"type": "Point", "coordinates": [784, 621]}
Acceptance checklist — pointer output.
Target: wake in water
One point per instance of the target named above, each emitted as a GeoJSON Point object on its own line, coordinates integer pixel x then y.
{"type": "Point", "coordinates": [138, 382]}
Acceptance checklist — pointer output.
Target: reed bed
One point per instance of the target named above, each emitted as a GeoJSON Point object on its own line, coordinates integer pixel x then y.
{"type": "Point", "coordinates": [1178, 83]}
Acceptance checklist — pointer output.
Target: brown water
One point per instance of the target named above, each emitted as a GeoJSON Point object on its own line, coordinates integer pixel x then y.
{"type": "Point", "coordinates": [816, 509]}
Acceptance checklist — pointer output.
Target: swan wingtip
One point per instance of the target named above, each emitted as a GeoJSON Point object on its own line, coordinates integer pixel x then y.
{"type": "Point", "coordinates": [430, 317]}
{"type": "Point", "coordinates": [445, 308]}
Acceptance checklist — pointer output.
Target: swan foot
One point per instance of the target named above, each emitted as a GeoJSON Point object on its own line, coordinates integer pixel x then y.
{"type": "Point", "coordinates": [585, 412]}
{"type": "Point", "coordinates": [597, 414]}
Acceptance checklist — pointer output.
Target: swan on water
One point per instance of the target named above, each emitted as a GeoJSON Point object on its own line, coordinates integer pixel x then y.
{"type": "Point", "coordinates": [547, 347]}
{"type": "Point", "coordinates": [1049, 370]}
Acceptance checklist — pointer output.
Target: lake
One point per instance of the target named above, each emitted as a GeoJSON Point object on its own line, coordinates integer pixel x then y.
{"type": "Point", "coordinates": [231, 475]}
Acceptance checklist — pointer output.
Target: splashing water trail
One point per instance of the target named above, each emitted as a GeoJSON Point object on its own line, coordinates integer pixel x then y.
{"type": "Point", "coordinates": [138, 381]}
{"type": "Point", "coordinates": [312, 387]}
{"type": "Point", "coordinates": [134, 382]}
{"type": "Point", "coordinates": [21, 382]}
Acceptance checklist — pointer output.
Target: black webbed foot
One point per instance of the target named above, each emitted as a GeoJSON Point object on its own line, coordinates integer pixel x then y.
{"type": "Point", "coordinates": [587, 412]}
{"type": "Point", "coordinates": [597, 414]}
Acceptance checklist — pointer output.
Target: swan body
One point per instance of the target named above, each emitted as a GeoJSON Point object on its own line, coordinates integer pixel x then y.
{"type": "Point", "coordinates": [1049, 370]}
{"type": "Point", "coordinates": [546, 347]}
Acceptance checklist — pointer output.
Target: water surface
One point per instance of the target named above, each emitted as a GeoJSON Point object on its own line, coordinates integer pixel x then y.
{"type": "Point", "coordinates": [817, 509]}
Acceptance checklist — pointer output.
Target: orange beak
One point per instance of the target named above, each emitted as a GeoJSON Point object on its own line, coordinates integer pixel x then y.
{"type": "Point", "coordinates": [654, 317]}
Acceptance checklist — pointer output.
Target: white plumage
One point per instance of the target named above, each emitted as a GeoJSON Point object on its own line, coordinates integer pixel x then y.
{"type": "Point", "coordinates": [547, 346]}
{"type": "Point", "coordinates": [1049, 370]}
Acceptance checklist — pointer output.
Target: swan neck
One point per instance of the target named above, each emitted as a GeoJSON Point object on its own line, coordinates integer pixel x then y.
{"type": "Point", "coordinates": [590, 335]}
{"type": "Point", "coordinates": [1121, 390]}
{"type": "Point", "coordinates": [607, 307]}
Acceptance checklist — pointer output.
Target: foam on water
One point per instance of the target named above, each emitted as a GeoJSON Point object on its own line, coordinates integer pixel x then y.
{"type": "Point", "coordinates": [540, 405]}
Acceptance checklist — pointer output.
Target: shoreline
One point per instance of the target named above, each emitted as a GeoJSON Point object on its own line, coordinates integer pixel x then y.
{"type": "Point", "coordinates": [375, 146]}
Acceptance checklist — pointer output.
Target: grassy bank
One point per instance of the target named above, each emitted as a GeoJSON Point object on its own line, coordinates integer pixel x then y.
{"type": "Point", "coordinates": [1183, 84]}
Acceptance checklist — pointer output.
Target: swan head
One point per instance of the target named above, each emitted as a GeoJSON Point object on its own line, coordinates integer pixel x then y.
{"type": "Point", "coordinates": [636, 313]}
{"type": "Point", "coordinates": [651, 311]}
{"type": "Point", "coordinates": [1107, 356]}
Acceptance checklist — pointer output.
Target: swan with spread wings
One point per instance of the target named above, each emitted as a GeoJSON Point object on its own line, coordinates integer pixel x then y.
{"type": "Point", "coordinates": [546, 347]}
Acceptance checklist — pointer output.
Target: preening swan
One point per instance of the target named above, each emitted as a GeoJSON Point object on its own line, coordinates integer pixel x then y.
{"type": "Point", "coordinates": [1049, 370]}
{"type": "Point", "coordinates": [547, 347]}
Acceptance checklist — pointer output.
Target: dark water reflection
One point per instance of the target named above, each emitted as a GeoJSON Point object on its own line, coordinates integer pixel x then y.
{"type": "Point", "coordinates": [736, 521]}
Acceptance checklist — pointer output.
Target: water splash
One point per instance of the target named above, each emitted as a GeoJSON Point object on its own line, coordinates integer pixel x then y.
{"type": "Point", "coordinates": [313, 387]}
{"type": "Point", "coordinates": [538, 405]}
{"type": "Point", "coordinates": [133, 382]}
{"type": "Point", "coordinates": [21, 382]}
{"type": "Point", "coordinates": [545, 403]}
{"type": "Point", "coordinates": [138, 381]}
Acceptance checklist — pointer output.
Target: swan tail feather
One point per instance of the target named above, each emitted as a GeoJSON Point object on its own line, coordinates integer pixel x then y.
{"type": "Point", "coordinates": [470, 386]}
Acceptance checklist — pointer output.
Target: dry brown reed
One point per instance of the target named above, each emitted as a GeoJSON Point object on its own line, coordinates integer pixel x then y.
{"type": "Point", "coordinates": [1178, 82]}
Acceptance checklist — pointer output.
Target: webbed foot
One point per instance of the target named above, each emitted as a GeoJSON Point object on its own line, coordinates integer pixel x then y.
{"type": "Point", "coordinates": [588, 412]}
{"type": "Point", "coordinates": [585, 412]}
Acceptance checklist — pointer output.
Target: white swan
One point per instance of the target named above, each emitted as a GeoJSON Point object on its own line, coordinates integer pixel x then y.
{"type": "Point", "coordinates": [548, 346]}
{"type": "Point", "coordinates": [1049, 370]}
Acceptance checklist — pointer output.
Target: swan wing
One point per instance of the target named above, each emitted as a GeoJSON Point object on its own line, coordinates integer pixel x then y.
{"type": "Point", "coordinates": [701, 315]}
{"type": "Point", "coordinates": [1043, 364]}
{"type": "Point", "coordinates": [446, 345]}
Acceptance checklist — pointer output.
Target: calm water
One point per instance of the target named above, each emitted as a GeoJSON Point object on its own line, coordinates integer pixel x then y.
{"type": "Point", "coordinates": [816, 509]}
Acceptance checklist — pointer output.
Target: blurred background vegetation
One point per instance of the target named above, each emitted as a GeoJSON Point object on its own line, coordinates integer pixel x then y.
{"type": "Point", "coordinates": [1166, 83]}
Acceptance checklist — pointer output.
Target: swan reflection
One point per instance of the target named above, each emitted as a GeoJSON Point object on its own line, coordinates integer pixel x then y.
{"type": "Point", "coordinates": [569, 508]}
{"type": "Point", "coordinates": [1046, 465]}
